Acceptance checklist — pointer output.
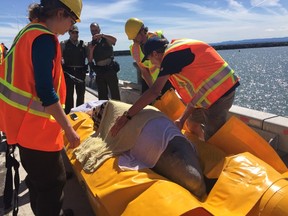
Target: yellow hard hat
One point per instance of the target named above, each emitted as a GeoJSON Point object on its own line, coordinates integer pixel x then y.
{"type": "Point", "coordinates": [75, 6]}
{"type": "Point", "coordinates": [132, 27]}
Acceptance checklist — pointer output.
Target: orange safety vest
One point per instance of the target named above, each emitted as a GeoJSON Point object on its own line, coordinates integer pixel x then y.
{"type": "Point", "coordinates": [2, 51]}
{"type": "Point", "coordinates": [23, 118]}
{"type": "Point", "coordinates": [138, 55]}
{"type": "Point", "coordinates": [206, 79]}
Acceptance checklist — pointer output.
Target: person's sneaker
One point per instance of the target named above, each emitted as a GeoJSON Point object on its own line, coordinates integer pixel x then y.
{"type": "Point", "coordinates": [68, 212]}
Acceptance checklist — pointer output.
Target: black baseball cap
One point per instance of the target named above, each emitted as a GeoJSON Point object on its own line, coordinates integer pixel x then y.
{"type": "Point", "coordinates": [152, 44]}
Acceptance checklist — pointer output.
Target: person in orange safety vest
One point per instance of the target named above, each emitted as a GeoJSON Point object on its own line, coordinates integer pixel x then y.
{"type": "Point", "coordinates": [32, 98]}
{"type": "Point", "coordinates": [138, 32]}
{"type": "Point", "coordinates": [3, 51]}
{"type": "Point", "coordinates": [203, 79]}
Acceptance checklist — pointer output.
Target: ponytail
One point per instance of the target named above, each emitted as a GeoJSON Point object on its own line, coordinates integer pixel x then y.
{"type": "Point", "coordinates": [35, 12]}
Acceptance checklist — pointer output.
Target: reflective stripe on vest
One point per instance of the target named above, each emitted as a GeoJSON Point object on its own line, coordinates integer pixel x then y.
{"type": "Point", "coordinates": [23, 118]}
{"type": "Point", "coordinates": [138, 56]}
{"type": "Point", "coordinates": [1, 54]}
{"type": "Point", "coordinates": [2, 51]}
{"type": "Point", "coordinates": [14, 96]}
{"type": "Point", "coordinates": [9, 72]}
{"type": "Point", "coordinates": [199, 94]}
{"type": "Point", "coordinates": [224, 73]}
{"type": "Point", "coordinates": [21, 100]}
{"type": "Point", "coordinates": [201, 89]}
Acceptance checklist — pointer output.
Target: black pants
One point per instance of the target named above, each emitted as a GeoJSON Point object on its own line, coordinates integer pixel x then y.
{"type": "Point", "coordinates": [107, 80]}
{"type": "Point", "coordinates": [80, 90]}
{"type": "Point", "coordinates": [45, 180]}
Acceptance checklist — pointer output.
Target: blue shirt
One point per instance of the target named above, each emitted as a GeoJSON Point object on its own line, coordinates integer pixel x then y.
{"type": "Point", "coordinates": [43, 53]}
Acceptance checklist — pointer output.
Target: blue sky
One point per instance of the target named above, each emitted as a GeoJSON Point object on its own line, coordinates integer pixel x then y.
{"type": "Point", "coordinates": [208, 20]}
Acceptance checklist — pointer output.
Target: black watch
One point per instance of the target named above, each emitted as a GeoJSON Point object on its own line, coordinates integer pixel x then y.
{"type": "Point", "coordinates": [126, 114]}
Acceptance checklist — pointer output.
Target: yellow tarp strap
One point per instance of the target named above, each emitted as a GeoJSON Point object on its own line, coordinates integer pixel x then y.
{"type": "Point", "coordinates": [236, 137]}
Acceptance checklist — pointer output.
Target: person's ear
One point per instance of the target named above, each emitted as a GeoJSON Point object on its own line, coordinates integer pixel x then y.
{"type": "Point", "coordinates": [60, 13]}
{"type": "Point", "coordinates": [155, 54]}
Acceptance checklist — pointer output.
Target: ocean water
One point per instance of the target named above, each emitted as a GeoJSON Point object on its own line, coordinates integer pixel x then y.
{"type": "Point", "coordinates": [263, 76]}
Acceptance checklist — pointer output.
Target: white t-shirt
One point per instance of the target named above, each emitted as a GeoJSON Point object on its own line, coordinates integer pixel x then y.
{"type": "Point", "coordinates": [150, 144]}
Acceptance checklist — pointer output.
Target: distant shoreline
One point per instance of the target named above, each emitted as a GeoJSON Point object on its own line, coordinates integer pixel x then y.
{"type": "Point", "coordinates": [224, 47]}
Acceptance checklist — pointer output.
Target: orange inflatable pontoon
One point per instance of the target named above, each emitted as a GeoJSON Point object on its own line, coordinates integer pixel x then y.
{"type": "Point", "coordinates": [249, 182]}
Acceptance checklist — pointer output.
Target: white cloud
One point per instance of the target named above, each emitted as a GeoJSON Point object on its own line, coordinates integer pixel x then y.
{"type": "Point", "coordinates": [108, 10]}
{"type": "Point", "coordinates": [219, 23]}
{"type": "Point", "coordinates": [265, 3]}
{"type": "Point", "coordinates": [271, 6]}
{"type": "Point", "coordinates": [236, 5]}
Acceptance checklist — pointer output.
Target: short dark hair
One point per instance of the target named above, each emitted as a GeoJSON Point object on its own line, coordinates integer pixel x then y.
{"type": "Point", "coordinates": [162, 50]}
{"type": "Point", "coordinates": [94, 24]}
{"type": "Point", "coordinates": [154, 44]}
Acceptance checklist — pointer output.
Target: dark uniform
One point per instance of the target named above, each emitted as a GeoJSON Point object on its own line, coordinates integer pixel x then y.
{"type": "Point", "coordinates": [74, 56]}
{"type": "Point", "coordinates": [106, 76]}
